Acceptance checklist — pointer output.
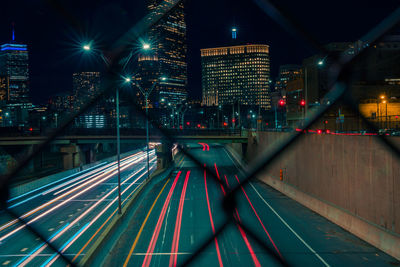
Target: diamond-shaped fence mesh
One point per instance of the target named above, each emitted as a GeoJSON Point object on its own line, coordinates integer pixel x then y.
{"type": "Point", "coordinates": [340, 81]}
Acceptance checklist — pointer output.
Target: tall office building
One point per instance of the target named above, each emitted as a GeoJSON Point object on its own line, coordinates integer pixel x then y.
{"type": "Point", "coordinates": [14, 82]}
{"type": "Point", "coordinates": [85, 87]}
{"type": "Point", "coordinates": [14, 65]}
{"type": "Point", "coordinates": [167, 57]}
{"type": "Point", "coordinates": [287, 73]}
{"type": "Point", "coordinates": [236, 73]}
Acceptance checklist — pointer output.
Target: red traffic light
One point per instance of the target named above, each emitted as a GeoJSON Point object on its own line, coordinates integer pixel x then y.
{"type": "Point", "coordinates": [188, 123]}
{"type": "Point", "coordinates": [281, 102]}
{"type": "Point", "coordinates": [302, 103]}
{"type": "Point", "coordinates": [198, 125]}
{"type": "Point", "coordinates": [225, 124]}
{"type": "Point", "coordinates": [319, 131]}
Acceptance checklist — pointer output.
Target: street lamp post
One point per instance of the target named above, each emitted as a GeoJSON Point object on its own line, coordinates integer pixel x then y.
{"type": "Point", "coordinates": [88, 48]}
{"type": "Point", "coordinates": [146, 94]}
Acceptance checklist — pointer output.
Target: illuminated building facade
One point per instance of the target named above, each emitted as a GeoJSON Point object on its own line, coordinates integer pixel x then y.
{"type": "Point", "coordinates": [236, 73]}
{"type": "Point", "coordinates": [168, 54]}
{"type": "Point", "coordinates": [287, 73]}
{"type": "Point", "coordinates": [85, 86]}
{"type": "Point", "coordinates": [14, 65]}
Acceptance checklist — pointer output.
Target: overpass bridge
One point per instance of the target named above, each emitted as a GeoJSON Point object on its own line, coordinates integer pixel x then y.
{"type": "Point", "coordinates": [128, 136]}
{"type": "Point", "coordinates": [94, 139]}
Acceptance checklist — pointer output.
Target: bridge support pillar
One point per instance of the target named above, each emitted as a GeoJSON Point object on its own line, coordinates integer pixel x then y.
{"type": "Point", "coordinates": [164, 155]}
{"type": "Point", "coordinates": [71, 156]}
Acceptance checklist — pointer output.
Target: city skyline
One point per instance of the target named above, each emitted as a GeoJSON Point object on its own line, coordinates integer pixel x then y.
{"type": "Point", "coordinates": [47, 46]}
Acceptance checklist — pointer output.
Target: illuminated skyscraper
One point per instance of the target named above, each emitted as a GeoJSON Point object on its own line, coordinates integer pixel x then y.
{"type": "Point", "coordinates": [236, 73]}
{"type": "Point", "coordinates": [14, 65]}
{"type": "Point", "coordinates": [167, 55]}
{"type": "Point", "coordinates": [85, 87]}
{"type": "Point", "coordinates": [14, 83]}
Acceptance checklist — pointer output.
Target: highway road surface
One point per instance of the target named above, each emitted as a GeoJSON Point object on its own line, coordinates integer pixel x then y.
{"type": "Point", "coordinates": [70, 213]}
{"type": "Point", "coordinates": [183, 210]}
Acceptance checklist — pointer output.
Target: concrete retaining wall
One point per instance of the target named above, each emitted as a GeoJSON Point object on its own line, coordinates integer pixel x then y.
{"type": "Point", "coordinates": [352, 180]}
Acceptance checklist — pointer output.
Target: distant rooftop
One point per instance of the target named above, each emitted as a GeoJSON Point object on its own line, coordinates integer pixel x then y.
{"type": "Point", "coordinates": [15, 47]}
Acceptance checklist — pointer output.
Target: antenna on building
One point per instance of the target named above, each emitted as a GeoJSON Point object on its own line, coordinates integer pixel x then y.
{"type": "Point", "coordinates": [13, 31]}
{"type": "Point", "coordinates": [234, 33]}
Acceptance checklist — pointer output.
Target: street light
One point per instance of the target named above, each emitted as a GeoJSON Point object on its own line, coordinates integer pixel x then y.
{"type": "Point", "coordinates": [87, 48]}
{"type": "Point", "coordinates": [146, 46]}
{"type": "Point", "coordinates": [146, 94]}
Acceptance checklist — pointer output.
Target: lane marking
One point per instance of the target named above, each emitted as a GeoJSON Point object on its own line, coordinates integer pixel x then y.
{"type": "Point", "coordinates": [156, 232]}
{"type": "Point", "coordinates": [162, 253]}
{"type": "Point", "coordinates": [178, 222]}
{"type": "Point", "coordinates": [98, 179]}
{"type": "Point", "coordinates": [280, 218]}
{"type": "Point", "coordinates": [142, 227]}
{"type": "Point", "coordinates": [244, 235]}
{"type": "Point", "coordinates": [290, 228]}
{"type": "Point", "coordinates": [211, 219]}
{"type": "Point", "coordinates": [84, 214]}
{"type": "Point", "coordinates": [36, 250]}
{"type": "Point", "coordinates": [104, 223]}
{"type": "Point", "coordinates": [259, 219]}
{"type": "Point", "coordinates": [64, 247]}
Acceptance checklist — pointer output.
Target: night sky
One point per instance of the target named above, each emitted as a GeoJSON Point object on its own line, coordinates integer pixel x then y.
{"type": "Point", "coordinates": [53, 40]}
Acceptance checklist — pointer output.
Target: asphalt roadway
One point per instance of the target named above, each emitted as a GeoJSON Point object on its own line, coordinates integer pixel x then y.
{"type": "Point", "coordinates": [184, 209]}
{"type": "Point", "coordinates": [70, 213]}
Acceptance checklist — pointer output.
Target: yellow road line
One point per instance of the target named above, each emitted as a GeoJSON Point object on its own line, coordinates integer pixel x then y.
{"type": "Point", "coordinates": [98, 230]}
{"type": "Point", "coordinates": [105, 222]}
{"type": "Point", "coordinates": [143, 225]}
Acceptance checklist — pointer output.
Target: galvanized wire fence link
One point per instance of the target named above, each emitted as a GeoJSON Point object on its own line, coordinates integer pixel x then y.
{"type": "Point", "coordinates": [119, 56]}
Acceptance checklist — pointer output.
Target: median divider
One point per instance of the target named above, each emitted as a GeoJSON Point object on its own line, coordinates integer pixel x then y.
{"type": "Point", "coordinates": [110, 230]}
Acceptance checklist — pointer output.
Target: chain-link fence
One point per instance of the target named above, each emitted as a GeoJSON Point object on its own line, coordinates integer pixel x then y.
{"type": "Point", "coordinates": [341, 77]}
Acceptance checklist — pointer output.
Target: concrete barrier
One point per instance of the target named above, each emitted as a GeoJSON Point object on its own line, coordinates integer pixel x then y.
{"type": "Point", "coordinates": [354, 181]}
{"type": "Point", "coordinates": [25, 187]}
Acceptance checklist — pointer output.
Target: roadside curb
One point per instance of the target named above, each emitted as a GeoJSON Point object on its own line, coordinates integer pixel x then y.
{"type": "Point", "coordinates": [117, 220]}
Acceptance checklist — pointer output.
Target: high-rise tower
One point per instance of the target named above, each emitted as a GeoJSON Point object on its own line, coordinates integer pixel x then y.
{"type": "Point", "coordinates": [236, 73]}
{"type": "Point", "coordinates": [14, 65]}
{"type": "Point", "coordinates": [169, 49]}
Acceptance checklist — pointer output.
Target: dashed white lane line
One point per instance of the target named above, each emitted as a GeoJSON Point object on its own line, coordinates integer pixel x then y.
{"type": "Point", "coordinates": [290, 228]}
{"type": "Point", "coordinates": [6, 262]}
{"type": "Point", "coordinates": [24, 249]}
